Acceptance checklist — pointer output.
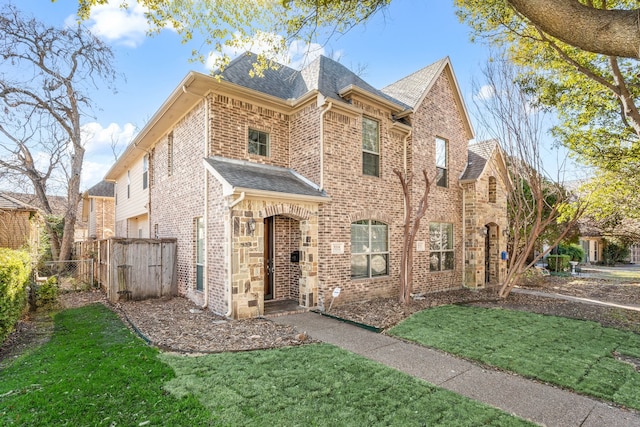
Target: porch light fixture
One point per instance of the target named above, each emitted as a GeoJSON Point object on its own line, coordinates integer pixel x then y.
{"type": "Point", "coordinates": [251, 226]}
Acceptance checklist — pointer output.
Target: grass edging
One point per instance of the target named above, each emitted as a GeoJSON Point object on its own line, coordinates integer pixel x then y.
{"type": "Point", "coordinates": [350, 322]}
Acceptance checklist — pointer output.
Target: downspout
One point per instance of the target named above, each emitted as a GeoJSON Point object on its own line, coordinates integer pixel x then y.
{"type": "Point", "coordinates": [404, 199]}
{"type": "Point", "coordinates": [464, 244]}
{"type": "Point", "coordinates": [205, 214]}
{"type": "Point", "coordinates": [230, 236]}
{"type": "Point", "coordinates": [325, 110]}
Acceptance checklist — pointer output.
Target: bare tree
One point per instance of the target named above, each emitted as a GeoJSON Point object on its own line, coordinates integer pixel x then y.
{"type": "Point", "coordinates": [45, 75]}
{"type": "Point", "coordinates": [411, 226]}
{"type": "Point", "coordinates": [538, 205]}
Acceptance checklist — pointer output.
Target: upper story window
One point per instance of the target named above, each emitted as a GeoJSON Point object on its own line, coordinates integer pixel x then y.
{"type": "Point", "coordinates": [128, 184]}
{"type": "Point", "coordinates": [170, 154]}
{"type": "Point", "coordinates": [440, 246]}
{"type": "Point", "coordinates": [442, 162]}
{"type": "Point", "coordinates": [258, 143]}
{"type": "Point", "coordinates": [492, 189]}
{"type": "Point", "coordinates": [369, 249]}
{"type": "Point", "coordinates": [145, 171]}
{"type": "Point", "coordinates": [91, 204]}
{"type": "Point", "coordinates": [370, 147]}
{"type": "Point", "coordinates": [115, 192]}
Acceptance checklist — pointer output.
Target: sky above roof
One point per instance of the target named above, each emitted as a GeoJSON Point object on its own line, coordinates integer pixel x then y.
{"type": "Point", "coordinates": [405, 37]}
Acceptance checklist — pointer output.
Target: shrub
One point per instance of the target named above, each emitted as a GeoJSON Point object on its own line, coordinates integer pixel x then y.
{"type": "Point", "coordinates": [15, 268]}
{"type": "Point", "coordinates": [574, 251]}
{"type": "Point", "coordinates": [613, 253]}
{"type": "Point", "coordinates": [47, 293]}
{"type": "Point", "coordinates": [558, 262]}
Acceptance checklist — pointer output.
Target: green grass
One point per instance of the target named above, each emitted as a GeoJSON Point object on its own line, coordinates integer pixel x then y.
{"type": "Point", "coordinates": [570, 353]}
{"type": "Point", "coordinates": [94, 372]}
{"type": "Point", "coordinates": [320, 385]}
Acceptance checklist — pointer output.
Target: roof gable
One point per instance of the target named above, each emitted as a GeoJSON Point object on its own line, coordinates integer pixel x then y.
{"type": "Point", "coordinates": [478, 156]}
{"type": "Point", "coordinates": [414, 88]}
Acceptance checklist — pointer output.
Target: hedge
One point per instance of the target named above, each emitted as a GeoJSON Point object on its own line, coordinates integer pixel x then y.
{"type": "Point", "coordinates": [15, 268]}
{"type": "Point", "coordinates": [558, 262]}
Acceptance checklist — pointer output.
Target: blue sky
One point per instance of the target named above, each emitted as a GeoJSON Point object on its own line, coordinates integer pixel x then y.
{"type": "Point", "coordinates": [408, 35]}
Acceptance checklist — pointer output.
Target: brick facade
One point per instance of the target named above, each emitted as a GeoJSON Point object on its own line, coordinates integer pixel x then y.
{"type": "Point", "coordinates": [320, 138]}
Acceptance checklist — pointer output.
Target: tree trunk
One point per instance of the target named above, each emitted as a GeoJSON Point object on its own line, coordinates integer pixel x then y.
{"type": "Point", "coordinates": [609, 32]}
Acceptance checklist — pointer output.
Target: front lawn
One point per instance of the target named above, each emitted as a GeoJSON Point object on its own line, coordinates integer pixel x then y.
{"type": "Point", "coordinates": [95, 372]}
{"type": "Point", "coordinates": [575, 354]}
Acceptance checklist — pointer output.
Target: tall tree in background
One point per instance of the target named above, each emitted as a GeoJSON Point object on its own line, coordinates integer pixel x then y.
{"type": "Point", "coordinates": [539, 207]}
{"type": "Point", "coordinates": [45, 75]}
{"type": "Point", "coordinates": [595, 95]}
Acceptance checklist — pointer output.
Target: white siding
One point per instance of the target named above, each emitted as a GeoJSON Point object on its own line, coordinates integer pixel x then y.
{"type": "Point", "coordinates": [136, 204]}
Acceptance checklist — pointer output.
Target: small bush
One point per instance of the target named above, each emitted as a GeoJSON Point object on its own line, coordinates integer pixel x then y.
{"type": "Point", "coordinates": [574, 251]}
{"type": "Point", "coordinates": [15, 269]}
{"type": "Point", "coordinates": [47, 293]}
{"type": "Point", "coordinates": [558, 262]}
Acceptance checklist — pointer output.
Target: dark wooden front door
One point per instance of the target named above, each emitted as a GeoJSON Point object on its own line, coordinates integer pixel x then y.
{"type": "Point", "coordinates": [487, 255]}
{"type": "Point", "coordinates": [268, 258]}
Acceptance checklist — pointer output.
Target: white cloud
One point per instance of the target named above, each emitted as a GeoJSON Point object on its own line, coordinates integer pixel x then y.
{"type": "Point", "coordinates": [100, 144]}
{"type": "Point", "coordinates": [485, 93]}
{"type": "Point", "coordinates": [298, 54]}
{"type": "Point", "coordinates": [126, 26]}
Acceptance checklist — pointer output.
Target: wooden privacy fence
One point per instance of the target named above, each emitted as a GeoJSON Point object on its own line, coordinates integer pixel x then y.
{"type": "Point", "coordinates": [133, 268]}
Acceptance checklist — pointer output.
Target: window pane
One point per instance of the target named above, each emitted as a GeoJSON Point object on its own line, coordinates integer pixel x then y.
{"type": "Point", "coordinates": [379, 265]}
{"type": "Point", "coordinates": [441, 177]}
{"type": "Point", "coordinates": [258, 143]}
{"type": "Point", "coordinates": [447, 236]}
{"type": "Point", "coordinates": [435, 236]}
{"type": "Point", "coordinates": [370, 140]}
{"type": "Point", "coordinates": [370, 164]}
{"type": "Point", "coordinates": [379, 237]}
{"type": "Point", "coordinates": [447, 260]}
{"type": "Point", "coordinates": [434, 261]}
{"type": "Point", "coordinates": [360, 237]}
{"type": "Point", "coordinates": [441, 153]}
{"type": "Point", "coordinates": [359, 266]}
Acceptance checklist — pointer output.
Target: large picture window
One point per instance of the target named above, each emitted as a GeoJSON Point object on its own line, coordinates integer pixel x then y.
{"type": "Point", "coordinates": [370, 147]}
{"type": "Point", "coordinates": [440, 246]}
{"type": "Point", "coordinates": [369, 249]}
{"type": "Point", "coordinates": [441, 162]}
{"type": "Point", "coordinates": [258, 142]}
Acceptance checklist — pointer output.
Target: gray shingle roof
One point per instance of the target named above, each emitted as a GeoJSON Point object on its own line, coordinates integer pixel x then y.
{"type": "Point", "coordinates": [102, 189]}
{"type": "Point", "coordinates": [9, 203]}
{"type": "Point", "coordinates": [477, 157]}
{"type": "Point", "coordinates": [323, 74]}
{"type": "Point", "coordinates": [409, 90]}
{"type": "Point", "coordinates": [255, 176]}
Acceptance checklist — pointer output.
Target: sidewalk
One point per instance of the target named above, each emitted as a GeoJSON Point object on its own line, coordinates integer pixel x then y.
{"type": "Point", "coordinates": [543, 404]}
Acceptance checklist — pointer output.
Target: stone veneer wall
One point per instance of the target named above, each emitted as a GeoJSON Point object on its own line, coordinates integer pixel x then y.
{"type": "Point", "coordinates": [480, 213]}
{"type": "Point", "coordinates": [248, 243]}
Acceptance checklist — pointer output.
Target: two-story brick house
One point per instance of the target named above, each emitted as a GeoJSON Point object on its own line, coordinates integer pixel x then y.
{"type": "Point", "coordinates": [282, 187]}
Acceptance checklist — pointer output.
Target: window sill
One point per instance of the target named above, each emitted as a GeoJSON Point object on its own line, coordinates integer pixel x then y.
{"type": "Point", "coordinates": [370, 279]}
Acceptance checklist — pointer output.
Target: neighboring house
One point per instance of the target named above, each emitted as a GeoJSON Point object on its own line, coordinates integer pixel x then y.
{"type": "Point", "coordinates": [98, 210]}
{"type": "Point", "coordinates": [58, 205]}
{"type": "Point", "coordinates": [18, 223]}
{"type": "Point", "coordinates": [282, 187]}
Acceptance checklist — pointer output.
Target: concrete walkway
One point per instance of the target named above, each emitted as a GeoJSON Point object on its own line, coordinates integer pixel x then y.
{"type": "Point", "coordinates": [542, 404]}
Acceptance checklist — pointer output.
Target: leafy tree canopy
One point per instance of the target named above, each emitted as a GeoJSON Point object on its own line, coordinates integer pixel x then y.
{"type": "Point", "coordinates": [595, 96]}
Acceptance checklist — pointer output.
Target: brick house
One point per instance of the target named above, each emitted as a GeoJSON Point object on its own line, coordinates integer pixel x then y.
{"type": "Point", "coordinates": [18, 223]}
{"type": "Point", "coordinates": [98, 210]}
{"type": "Point", "coordinates": [282, 187]}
